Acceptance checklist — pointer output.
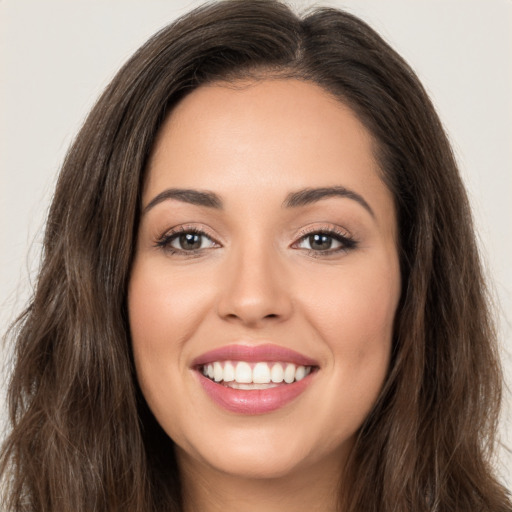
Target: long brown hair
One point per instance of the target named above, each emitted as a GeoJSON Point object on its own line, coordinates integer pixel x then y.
{"type": "Point", "coordinates": [82, 436]}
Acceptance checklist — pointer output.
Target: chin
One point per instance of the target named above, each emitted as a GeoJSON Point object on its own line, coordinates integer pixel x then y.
{"type": "Point", "coordinates": [260, 453]}
{"type": "Point", "coordinates": [255, 464]}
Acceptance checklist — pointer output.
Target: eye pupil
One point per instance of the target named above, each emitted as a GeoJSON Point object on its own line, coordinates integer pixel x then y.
{"type": "Point", "coordinates": [190, 241]}
{"type": "Point", "coordinates": [320, 241]}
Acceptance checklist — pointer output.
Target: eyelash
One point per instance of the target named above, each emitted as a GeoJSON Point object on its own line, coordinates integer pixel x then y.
{"type": "Point", "coordinates": [346, 241]}
{"type": "Point", "coordinates": [164, 242]}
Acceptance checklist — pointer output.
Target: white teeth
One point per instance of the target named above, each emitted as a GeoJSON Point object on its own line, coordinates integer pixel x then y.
{"type": "Point", "coordinates": [300, 373]}
{"type": "Point", "coordinates": [243, 373]}
{"type": "Point", "coordinates": [218, 373]}
{"type": "Point", "coordinates": [260, 375]}
{"type": "Point", "coordinates": [277, 373]}
{"type": "Point", "coordinates": [289, 373]}
{"type": "Point", "coordinates": [229, 372]}
{"type": "Point", "coordinates": [236, 385]}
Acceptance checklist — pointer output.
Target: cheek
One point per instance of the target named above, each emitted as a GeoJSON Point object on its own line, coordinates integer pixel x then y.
{"type": "Point", "coordinates": [353, 314]}
{"type": "Point", "coordinates": [163, 308]}
{"type": "Point", "coordinates": [162, 316]}
{"type": "Point", "coordinates": [354, 308]}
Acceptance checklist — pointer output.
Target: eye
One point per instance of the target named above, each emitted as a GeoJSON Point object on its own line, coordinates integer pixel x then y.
{"type": "Point", "coordinates": [190, 241]}
{"type": "Point", "coordinates": [325, 242]}
{"type": "Point", "coordinates": [185, 241]}
{"type": "Point", "coordinates": [319, 242]}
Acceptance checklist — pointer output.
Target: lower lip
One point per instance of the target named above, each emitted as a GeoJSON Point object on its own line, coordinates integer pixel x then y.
{"type": "Point", "coordinates": [254, 401]}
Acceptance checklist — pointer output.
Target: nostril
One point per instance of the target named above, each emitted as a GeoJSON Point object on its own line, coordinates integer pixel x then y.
{"type": "Point", "coordinates": [251, 304]}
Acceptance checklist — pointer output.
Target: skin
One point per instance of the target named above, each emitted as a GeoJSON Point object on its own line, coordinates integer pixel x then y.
{"type": "Point", "coordinates": [258, 281]}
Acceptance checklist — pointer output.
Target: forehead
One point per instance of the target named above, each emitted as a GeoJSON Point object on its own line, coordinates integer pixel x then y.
{"type": "Point", "coordinates": [266, 136]}
{"type": "Point", "coordinates": [280, 113]}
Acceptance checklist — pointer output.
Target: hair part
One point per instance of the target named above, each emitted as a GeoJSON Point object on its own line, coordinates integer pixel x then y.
{"type": "Point", "coordinates": [82, 435]}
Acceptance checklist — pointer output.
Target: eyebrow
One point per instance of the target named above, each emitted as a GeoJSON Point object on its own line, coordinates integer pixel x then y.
{"type": "Point", "coordinates": [312, 195]}
{"type": "Point", "coordinates": [296, 199]}
{"type": "Point", "coordinates": [187, 195]}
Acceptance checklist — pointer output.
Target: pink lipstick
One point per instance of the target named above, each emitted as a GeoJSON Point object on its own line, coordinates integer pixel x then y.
{"type": "Point", "coordinates": [248, 379]}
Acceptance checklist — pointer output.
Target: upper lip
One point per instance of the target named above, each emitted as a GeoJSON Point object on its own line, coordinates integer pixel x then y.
{"type": "Point", "coordinates": [254, 353]}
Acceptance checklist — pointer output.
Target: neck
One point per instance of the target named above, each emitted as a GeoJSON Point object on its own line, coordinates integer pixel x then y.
{"type": "Point", "coordinates": [315, 489]}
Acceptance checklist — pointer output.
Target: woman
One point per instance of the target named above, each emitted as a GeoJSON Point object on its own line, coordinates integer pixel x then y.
{"type": "Point", "coordinates": [252, 294]}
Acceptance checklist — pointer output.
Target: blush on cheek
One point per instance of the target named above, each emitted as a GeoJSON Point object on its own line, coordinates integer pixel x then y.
{"type": "Point", "coordinates": [160, 305]}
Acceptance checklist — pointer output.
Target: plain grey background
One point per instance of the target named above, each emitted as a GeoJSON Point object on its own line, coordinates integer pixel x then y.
{"type": "Point", "coordinates": [57, 56]}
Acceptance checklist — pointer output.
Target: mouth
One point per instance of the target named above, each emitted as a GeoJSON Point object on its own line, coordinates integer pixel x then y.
{"type": "Point", "coordinates": [254, 379]}
{"type": "Point", "coordinates": [250, 375]}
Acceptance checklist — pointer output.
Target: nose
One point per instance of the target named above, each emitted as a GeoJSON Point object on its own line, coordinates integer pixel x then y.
{"type": "Point", "coordinates": [254, 289]}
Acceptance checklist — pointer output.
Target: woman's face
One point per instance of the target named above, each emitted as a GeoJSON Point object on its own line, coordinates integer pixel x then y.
{"type": "Point", "coordinates": [267, 259]}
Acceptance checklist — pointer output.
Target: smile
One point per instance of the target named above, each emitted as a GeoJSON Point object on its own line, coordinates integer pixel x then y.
{"type": "Point", "coordinates": [260, 375]}
{"type": "Point", "coordinates": [254, 379]}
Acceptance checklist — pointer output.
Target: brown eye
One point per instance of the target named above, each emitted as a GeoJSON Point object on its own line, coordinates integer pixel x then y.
{"type": "Point", "coordinates": [325, 242]}
{"type": "Point", "coordinates": [320, 242]}
{"type": "Point", "coordinates": [188, 241]}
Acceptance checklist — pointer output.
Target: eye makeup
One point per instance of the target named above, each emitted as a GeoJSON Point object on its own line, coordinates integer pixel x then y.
{"type": "Point", "coordinates": [318, 241]}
